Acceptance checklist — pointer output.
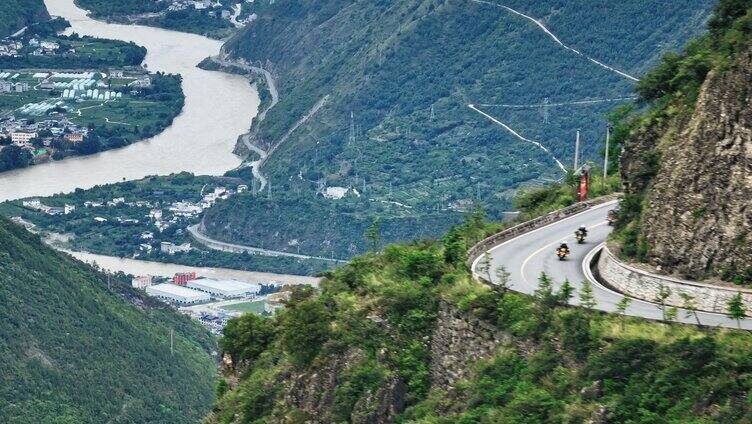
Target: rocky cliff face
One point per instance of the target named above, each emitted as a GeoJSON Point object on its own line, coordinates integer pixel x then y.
{"type": "Point", "coordinates": [698, 215]}
{"type": "Point", "coordinates": [457, 343]}
{"type": "Point", "coordinates": [312, 393]}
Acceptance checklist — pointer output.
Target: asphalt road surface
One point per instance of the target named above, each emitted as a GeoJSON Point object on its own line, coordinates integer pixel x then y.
{"type": "Point", "coordinates": [528, 255]}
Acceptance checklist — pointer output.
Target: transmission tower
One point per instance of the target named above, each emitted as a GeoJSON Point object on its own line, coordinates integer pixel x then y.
{"type": "Point", "coordinates": [545, 110]}
{"type": "Point", "coordinates": [352, 128]}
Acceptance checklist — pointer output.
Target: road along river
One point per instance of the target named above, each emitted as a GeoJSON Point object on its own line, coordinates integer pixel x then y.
{"type": "Point", "coordinates": [218, 108]}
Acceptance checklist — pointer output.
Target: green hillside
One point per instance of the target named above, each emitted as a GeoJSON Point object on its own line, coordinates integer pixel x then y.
{"type": "Point", "coordinates": [74, 352]}
{"type": "Point", "coordinates": [368, 342]}
{"type": "Point", "coordinates": [406, 71]}
{"type": "Point", "coordinates": [16, 14]}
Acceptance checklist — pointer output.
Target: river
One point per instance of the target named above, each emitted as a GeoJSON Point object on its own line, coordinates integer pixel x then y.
{"type": "Point", "coordinates": [218, 108]}
{"type": "Point", "coordinates": [136, 267]}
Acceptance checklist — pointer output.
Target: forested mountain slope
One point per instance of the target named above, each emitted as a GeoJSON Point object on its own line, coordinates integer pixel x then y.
{"type": "Point", "coordinates": [399, 77]}
{"type": "Point", "coordinates": [75, 352]}
{"type": "Point", "coordinates": [16, 14]}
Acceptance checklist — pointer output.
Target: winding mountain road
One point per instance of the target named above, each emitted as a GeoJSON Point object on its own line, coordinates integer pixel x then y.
{"type": "Point", "coordinates": [556, 39]}
{"type": "Point", "coordinates": [529, 254]}
{"type": "Point", "coordinates": [516, 134]}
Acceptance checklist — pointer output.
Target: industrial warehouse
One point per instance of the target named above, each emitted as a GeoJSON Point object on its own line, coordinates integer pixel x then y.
{"type": "Point", "coordinates": [177, 294]}
{"type": "Point", "coordinates": [225, 289]}
{"type": "Point", "coordinates": [186, 289]}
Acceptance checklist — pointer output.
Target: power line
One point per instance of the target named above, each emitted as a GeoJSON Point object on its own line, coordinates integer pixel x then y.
{"type": "Point", "coordinates": [547, 105]}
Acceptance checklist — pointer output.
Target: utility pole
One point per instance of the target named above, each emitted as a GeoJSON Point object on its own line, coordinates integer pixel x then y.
{"type": "Point", "coordinates": [108, 282]}
{"type": "Point", "coordinates": [433, 113]}
{"type": "Point", "coordinates": [577, 151]}
{"type": "Point", "coordinates": [172, 341]}
{"type": "Point", "coordinates": [605, 157]}
{"type": "Point", "coordinates": [352, 127]}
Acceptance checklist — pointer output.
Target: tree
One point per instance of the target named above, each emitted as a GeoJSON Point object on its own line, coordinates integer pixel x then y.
{"type": "Point", "coordinates": [245, 337]}
{"type": "Point", "coordinates": [735, 309]}
{"type": "Point", "coordinates": [503, 279]}
{"type": "Point", "coordinates": [566, 292]}
{"type": "Point", "coordinates": [690, 307]}
{"type": "Point", "coordinates": [671, 313]}
{"type": "Point", "coordinates": [544, 294]}
{"type": "Point", "coordinates": [373, 235]}
{"type": "Point", "coordinates": [90, 145]}
{"type": "Point", "coordinates": [13, 157]}
{"type": "Point", "coordinates": [304, 329]}
{"type": "Point", "coordinates": [621, 309]}
{"type": "Point", "coordinates": [660, 298]}
{"type": "Point", "coordinates": [587, 300]}
{"type": "Point", "coordinates": [455, 251]}
{"type": "Point", "coordinates": [484, 265]}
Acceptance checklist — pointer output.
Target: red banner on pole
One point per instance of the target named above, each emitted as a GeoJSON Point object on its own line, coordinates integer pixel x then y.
{"type": "Point", "coordinates": [582, 191]}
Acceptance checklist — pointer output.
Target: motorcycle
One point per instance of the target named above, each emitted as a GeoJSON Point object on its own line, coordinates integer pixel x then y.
{"type": "Point", "coordinates": [580, 236]}
{"type": "Point", "coordinates": [562, 253]}
{"type": "Point", "coordinates": [611, 217]}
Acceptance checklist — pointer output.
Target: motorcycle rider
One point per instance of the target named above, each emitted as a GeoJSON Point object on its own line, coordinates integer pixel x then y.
{"type": "Point", "coordinates": [563, 248]}
{"type": "Point", "coordinates": [583, 230]}
{"type": "Point", "coordinates": [611, 217]}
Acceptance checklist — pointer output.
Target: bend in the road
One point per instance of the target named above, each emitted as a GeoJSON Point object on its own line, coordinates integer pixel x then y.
{"type": "Point", "coordinates": [528, 255]}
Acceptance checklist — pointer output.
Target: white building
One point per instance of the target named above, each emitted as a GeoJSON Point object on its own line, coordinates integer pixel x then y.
{"type": "Point", "coordinates": [336, 192]}
{"type": "Point", "coordinates": [177, 294]}
{"type": "Point", "coordinates": [20, 137]}
{"type": "Point", "coordinates": [186, 209]}
{"type": "Point", "coordinates": [155, 214]}
{"type": "Point", "coordinates": [172, 248]}
{"type": "Point", "coordinates": [225, 288]}
{"type": "Point", "coordinates": [142, 282]}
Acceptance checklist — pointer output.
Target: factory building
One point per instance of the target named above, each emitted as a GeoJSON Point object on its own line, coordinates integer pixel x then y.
{"type": "Point", "coordinates": [225, 288]}
{"type": "Point", "coordinates": [142, 282]}
{"type": "Point", "coordinates": [182, 278]}
{"type": "Point", "coordinates": [177, 294]}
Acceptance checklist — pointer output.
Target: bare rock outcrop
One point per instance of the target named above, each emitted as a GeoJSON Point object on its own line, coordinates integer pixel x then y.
{"type": "Point", "coordinates": [698, 219]}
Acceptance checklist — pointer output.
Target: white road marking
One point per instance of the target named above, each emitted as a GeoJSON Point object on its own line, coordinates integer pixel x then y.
{"type": "Point", "coordinates": [475, 262]}
{"type": "Point", "coordinates": [537, 252]}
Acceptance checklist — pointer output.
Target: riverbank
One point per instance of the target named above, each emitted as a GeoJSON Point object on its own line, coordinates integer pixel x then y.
{"type": "Point", "coordinates": [214, 22]}
{"type": "Point", "coordinates": [218, 107]}
{"type": "Point", "coordinates": [138, 267]}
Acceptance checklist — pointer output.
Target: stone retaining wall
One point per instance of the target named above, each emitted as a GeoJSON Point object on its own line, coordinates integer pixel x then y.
{"type": "Point", "coordinates": [644, 285]}
{"type": "Point", "coordinates": [512, 232]}
{"type": "Point", "coordinates": [459, 341]}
